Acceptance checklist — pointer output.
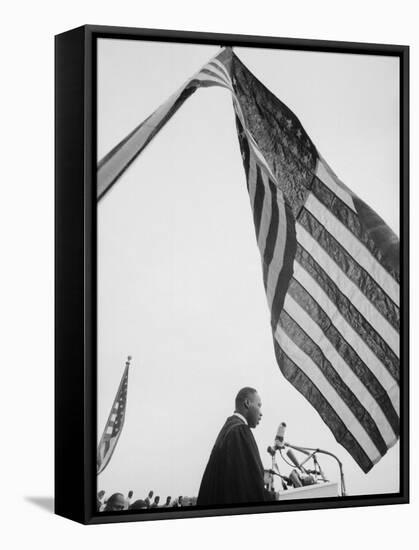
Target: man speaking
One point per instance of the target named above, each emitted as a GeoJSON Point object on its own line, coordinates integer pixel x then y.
{"type": "Point", "coordinates": [234, 473]}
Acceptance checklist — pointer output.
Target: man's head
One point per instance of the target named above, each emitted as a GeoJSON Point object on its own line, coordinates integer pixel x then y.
{"type": "Point", "coordinates": [138, 505]}
{"type": "Point", "coordinates": [130, 493]}
{"type": "Point", "coordinates": [168, 499]}
{"type": "Point", "coordinates": [116, 502]}
{"type": "Point", "coordinates": [248, 404]}
{"type": "Point", "coordinates": [156, 500]}
{"type": "Point", "coordinates": [150, 494]}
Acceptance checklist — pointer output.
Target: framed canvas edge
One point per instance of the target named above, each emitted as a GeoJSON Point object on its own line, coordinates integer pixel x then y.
{"type": "Point", "coordinates": [69, 275]}
{"type": "Point", "coordinates": [75, 418]}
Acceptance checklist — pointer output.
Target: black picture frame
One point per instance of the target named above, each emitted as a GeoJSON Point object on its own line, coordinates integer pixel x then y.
{"type": "Point", "coordinates": [75, 270]}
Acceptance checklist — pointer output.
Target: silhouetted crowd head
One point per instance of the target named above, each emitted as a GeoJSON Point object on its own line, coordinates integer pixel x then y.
{"type": "Point", "coordinates": [118, 502]}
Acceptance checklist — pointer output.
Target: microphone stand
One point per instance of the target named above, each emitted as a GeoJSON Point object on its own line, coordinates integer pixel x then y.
{"type": "Point", "coordinates": [312, 454]}
{"type": "Point", "coordinates": [274, 471]}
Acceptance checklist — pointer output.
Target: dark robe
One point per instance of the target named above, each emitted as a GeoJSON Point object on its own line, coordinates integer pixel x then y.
{"type": "Point", "coordinates": [234, 473]}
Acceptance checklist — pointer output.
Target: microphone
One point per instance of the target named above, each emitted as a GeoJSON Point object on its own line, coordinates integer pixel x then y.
{"type": "Point", "coordinates": [279, 438]}
{"type": "Point", "coordinates": [295, 480]}
{"type": "Point", "coordinates": [294, 460]}
{"type": "Point", "coordinates": [271, 450]}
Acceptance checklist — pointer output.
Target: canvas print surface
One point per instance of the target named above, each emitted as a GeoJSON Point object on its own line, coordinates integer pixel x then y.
{"type": "Point", "coordinates": [248, 275]}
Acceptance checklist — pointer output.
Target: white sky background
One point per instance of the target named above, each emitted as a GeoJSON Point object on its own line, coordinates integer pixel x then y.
{"type": "Point", "coordinates": [179, 273]}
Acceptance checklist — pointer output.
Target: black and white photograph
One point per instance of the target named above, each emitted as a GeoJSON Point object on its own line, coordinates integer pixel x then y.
{"type": "Point", "coordinates": [248, 276]}
{"type": "Point", "coordinates": [209, 275]}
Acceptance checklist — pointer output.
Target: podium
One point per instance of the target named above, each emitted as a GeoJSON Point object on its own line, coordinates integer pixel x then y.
{"type": "Point", "coordinates": [318, 490]}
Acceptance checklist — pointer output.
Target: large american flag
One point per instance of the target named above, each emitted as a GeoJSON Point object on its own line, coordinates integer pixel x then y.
{"type": "Point", "coordinates": [114, 424]}
{"type": "Point", "coordinates": [330, 265]}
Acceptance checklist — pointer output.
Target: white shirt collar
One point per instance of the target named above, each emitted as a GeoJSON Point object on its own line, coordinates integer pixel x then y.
{"type": "Point", "coordinates": [240, 416]}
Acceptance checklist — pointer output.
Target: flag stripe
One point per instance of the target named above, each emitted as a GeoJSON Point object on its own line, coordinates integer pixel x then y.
{"type": "Point", "coordinates": [286, 272]}
{"type": "Point", "coordinates": [204, 79]}
{"type": "Point", "coordinates": [373, 350]}
{"type": "Point", "coordinates": [222, 68]}
{"type": "Point", "coordinates": [359, 225]}
{"type": "Point", "coordinates": [252, 179]}
{"type": "Point", "coordinates": [244, 145]}
{"type": "Point", "coordinates": [353, 245]}
{"type": "Point", "coordinates": [351, 221]}
{"type": "Point", "coordinates": [266, 215]}
{"type": "Point", "coordinates": [275, 267]}
{"type": "Point", "coordinates": [341, 377]}
{"type": "Point", "coordinates": [329, 179]}
{"type": "Point", "coordinates": [358, 275]}
{"type": "Point", "coordinates": [310, 369]}
{"type": "Point", "coordinates": [348, 289]}
{"type": "Point", "coordinates": [106, 447]}
{"type": "Point", "coordinates": [272, 235]}
{"type": "Point", "coordinates": [107, 453]}
{"type": "Point", "coordinates": [213, 69]}
{"type": "Point", "coordinates": [352, 360]}
{"type": "Point", "coordinates": [274, 228]}
{"type": "Point", "coordinates": [330, 378]}
{"type": "Point", "coordinates": [305, 385]}
{"type": "Point", "coordinates": [258, 201]}
{"type": "Point", "coordinates": [214, 72]}
{"type": "Point", "coordinates": [326, 280]}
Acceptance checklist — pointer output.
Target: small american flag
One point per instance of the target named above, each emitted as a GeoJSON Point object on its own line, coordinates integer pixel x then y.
{"type": "Point", "coordinates": [114, 424]}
